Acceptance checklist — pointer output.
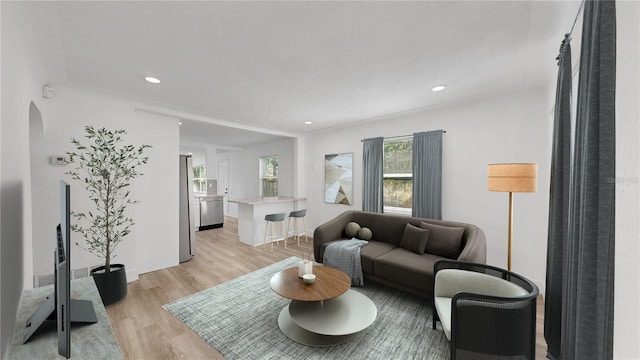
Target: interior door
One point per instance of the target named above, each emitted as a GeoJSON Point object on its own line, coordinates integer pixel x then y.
{"type": "Point", "coordinates": [223, 184]}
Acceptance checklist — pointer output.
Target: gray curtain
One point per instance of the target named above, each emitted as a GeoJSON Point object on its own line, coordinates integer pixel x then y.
{"type": "Point", "coordinates": [558, 203]}
{"type": "Point", "coordinates": [372, 157]}
{"type": "Point", "coordinates": [427, 175]}
{"type": "Point", "coordinates": [587, 328]}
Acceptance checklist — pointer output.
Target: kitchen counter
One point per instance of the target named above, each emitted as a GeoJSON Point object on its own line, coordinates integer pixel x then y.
{"type": "Point", "coordinates": [267, 200]}
{"type": "Point", "coordinates": [197, 196]}
{"type": "Point", "coordinates": [251, 213]}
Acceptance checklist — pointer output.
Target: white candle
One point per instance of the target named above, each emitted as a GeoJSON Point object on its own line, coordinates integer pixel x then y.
{"type": "Point", "coordinates": [305, 267]}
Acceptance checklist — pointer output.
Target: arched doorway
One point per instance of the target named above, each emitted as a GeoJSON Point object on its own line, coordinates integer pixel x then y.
{"type": "Point", "coordinates": [36, 138]}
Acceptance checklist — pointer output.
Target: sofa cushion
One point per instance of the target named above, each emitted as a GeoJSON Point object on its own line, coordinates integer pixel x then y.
{"type": "Point", "coordinates": [407, 268]}
{"type": "Point", "coordinates": [385, 227]}
{"type": "Point", "coordinates": [370, 252]}
{"type": "Point", "coordinates": [414, 239]}
{"type": "Point", "coordinates": [443, 240]}
{"type": "Point", "coordinates": [443, 307]}
{"type": "Point", "coordinates": [323, 247]}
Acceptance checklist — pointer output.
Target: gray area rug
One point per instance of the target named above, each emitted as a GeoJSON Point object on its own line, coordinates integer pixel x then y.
{"type": "Point", "coordinates": [240, 320]}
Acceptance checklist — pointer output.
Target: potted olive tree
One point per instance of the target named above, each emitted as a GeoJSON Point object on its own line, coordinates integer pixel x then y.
{"type": "Point", "coordinates": [106, 168]}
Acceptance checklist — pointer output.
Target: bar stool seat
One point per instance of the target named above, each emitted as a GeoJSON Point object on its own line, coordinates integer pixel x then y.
{"type": "Point", "coordinates": [297, 216]}
{"type": "Point", "coordinates": [275, 223]}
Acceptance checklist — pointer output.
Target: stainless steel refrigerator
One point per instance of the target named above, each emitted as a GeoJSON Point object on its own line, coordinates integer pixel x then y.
{"type": "Point", "coordinates": [187, 217]}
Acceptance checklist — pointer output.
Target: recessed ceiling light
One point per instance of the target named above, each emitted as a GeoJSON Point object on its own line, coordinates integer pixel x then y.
{"type": "Point", "coordinates": [438, 88]}
{"type": "Point", "coordinates": [152, 80]}
{"type": "Point", "coordinates": [308, 122]}
{"type": "Point", "coordinates": [179, 122]}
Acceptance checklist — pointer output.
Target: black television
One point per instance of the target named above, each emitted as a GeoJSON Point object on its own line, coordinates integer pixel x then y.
{"type": "Point", "coordinates": [59, 306]}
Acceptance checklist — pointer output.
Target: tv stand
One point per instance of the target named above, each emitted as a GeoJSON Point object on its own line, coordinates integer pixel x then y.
{"type": "Point", "coordinates": [81, 312]}
{"type": "Point", "coordinates": [94, 341]}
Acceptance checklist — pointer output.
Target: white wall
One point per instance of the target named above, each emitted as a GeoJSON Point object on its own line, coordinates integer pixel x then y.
{"type": "Point", "coordinates": [244, 170]}
{"type": "Point", "coordinates": [202, 154]}
{"type": "Point", "coordinates": [627, 275]}
{"type": "Point", "coordinates": [156, 216]}
{"type": "Point", "coordinates": [31, 56]}
{"type": "Point", "coordinates": [506, 127]}
{"type": "Point", "coordinates": [198, 152]}
{"type": "Point", "coordinates": [212, 162]}
{"type": "Point", "coordinates": [153, 242]}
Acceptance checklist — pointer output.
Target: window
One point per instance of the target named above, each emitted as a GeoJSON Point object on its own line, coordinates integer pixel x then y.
{"type": "Point", "coordinates": [269, 176]}
{"type": "Point", "coordinates": [200, 178]}
{"type": "Point", "coordinates": [398, 176]}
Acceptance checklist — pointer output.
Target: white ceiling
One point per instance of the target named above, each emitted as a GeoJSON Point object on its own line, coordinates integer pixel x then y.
{"type": "Point", "coordinates": [225, 137]}
{"type": "Point", "coordinates": [273, 65]}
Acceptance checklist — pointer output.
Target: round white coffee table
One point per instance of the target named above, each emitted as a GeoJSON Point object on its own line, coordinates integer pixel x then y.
{"type": "Point", "coordinates": [324, 313]}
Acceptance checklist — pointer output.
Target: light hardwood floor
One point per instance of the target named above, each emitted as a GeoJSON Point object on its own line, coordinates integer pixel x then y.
{"type": "Point", "coordinates": [146, 331]}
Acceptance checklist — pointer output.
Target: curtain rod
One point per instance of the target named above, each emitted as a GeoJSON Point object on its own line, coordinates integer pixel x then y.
{"type": "Point", "coordinates": [567, 36]}
{"type": "Point", "coordinates": [576, 19]}
{"type": "Point", "coordinates": [402, 136]}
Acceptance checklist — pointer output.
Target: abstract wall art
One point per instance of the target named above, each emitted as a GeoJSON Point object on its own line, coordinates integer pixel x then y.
{"type": "Point", "coordinates": [338, 178]}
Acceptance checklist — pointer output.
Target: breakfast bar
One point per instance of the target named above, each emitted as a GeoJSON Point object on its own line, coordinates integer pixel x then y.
{"type": "Point", "coordinates": [251, 213]}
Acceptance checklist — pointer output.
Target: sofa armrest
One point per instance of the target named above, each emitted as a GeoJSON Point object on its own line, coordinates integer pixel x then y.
{"type": "Point", "coordinates": [330, 231]}
{"type": "Point", "coordinates": [475, 247]}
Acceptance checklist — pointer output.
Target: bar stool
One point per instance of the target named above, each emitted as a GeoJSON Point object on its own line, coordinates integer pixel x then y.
{"type": "Point", "coordinates": [297, 216]}
{"type": "Point", "coordinates": [273, 220]}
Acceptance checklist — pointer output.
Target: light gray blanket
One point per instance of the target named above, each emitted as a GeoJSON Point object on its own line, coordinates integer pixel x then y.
{"type": "Point", "coordinates": [345, 256]}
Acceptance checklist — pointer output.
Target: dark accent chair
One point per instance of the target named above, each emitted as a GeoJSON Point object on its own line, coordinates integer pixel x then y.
{"type": "Point", "coordinates": [486, 312]}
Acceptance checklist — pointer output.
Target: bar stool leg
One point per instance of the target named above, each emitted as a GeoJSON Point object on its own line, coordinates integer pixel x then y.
{"type": "Point", "coordinates": [304, 229]}
{"type": "Point", "coordinates": [284, 236]}
{"type": "Point", "coordinates": [264, 242]}
{"type": "Point", "coordinates": [289, 226]}
{"type": "Point", "coordinates": [272, 237]}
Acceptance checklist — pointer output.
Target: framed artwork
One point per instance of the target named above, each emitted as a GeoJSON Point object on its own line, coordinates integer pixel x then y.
{"type": "Point", "coordinates": [338, 178]}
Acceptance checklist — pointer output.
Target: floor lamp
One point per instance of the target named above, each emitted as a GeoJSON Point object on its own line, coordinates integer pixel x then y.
{"type": "Point", "coordinates": [512, 177]}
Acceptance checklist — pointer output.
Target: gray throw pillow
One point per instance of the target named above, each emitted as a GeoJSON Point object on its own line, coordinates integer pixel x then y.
{"type": "Point", "coordinates": [365, 234]}
{"type": "Point", "coordinates": [351, 229]}
{"type": "Point", "coordinates": [414, 239]}
{"type": "Point", "coordinates": [444, 240]}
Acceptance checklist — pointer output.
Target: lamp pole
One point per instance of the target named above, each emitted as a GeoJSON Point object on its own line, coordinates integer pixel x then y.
{"type": "Point", "coordinates": [512, 177]}
{"type": "Point", "coordinates": [510, 229]}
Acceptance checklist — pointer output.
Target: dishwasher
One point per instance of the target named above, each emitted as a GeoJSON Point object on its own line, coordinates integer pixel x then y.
{"type": "Point", "coordinates": [211, 213]}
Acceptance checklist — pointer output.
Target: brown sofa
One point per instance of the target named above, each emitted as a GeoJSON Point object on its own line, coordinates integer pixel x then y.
{"type": "Point", "coordinates": [386, 262]}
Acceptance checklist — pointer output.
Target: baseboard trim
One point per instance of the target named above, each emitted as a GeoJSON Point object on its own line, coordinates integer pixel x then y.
{"type": "Point", "coordinates": [78, 273]}
{"type": "Point", "coordinates": [132, 275]}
